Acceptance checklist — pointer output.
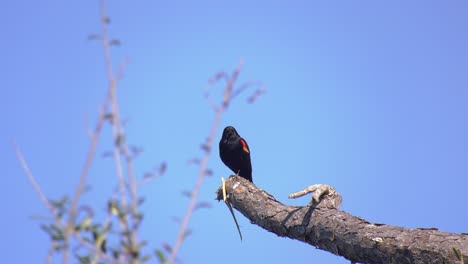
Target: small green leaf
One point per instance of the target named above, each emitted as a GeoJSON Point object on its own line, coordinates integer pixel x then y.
{"type": "Point", "coordinates": [84, 259]}
{"type": "Point", "coordinates": [187, 194]}
{"type": "Point", "coordinates": [93, 37]}
{"type": "Point", "coordinates": [115, 254]}
{"type": "Point", "coordinates": [113, 208]}
{"type": "Point", "coordinates": [167, 247]}
{"type": "Point", "coordinates": [145, 258]}
{"type": "Point", "coordinates": [187, 233]}
{"type": "Point", "coordinates": [109, 116]}
{"type": "Point", "coordinates": [142, 244]}
{"type": "Point", "coordinates": [119, 140]}
{"type": "Point", "coordinates": [201, 205]}
{"type": "Point", "coordinates": [161, 256]}
{"type": "Point", "coordinates": [115, 42]}
{"type": "Point", "coordinates": [47, 229]}
{"type": "Point", "coordinates": [86, 223]}
{"type": "Point", "coordinates": [135, 253]}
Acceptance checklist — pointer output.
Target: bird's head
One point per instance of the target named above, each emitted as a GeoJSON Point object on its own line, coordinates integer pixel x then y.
{"type": "Point", "coordinates": [229, 133]}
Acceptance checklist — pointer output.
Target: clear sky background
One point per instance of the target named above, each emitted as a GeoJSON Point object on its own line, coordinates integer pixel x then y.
{"type": "Point", "coordinates": [370, 97]}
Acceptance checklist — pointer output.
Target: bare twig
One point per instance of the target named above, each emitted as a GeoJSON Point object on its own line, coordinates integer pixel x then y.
{"type": "Point", "coordinates": [33, 181]}
{"type": "Point", "coordinates": [50, 252]}
{"type": "Point", "coordinates": [196, 189]}
{"type": "Point", "coordinates": [116, 124]}
{"type": "Point", "coordinates": [208, 145]}
{"type": "Point", "coordinates": [260, 91]}
{"type": "Point", "coordinates": [120, 145]}
{"type": "Point", "coordinates": [245, 86]}
{"type": "Point", "coordinates": [86, 167]}
{"type": "Point", "coordinates": [230, 85]}
{"type": "Point", "coordinates": [83, 176]}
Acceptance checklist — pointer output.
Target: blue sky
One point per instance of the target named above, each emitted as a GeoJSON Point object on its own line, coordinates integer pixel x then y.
{"type": "Point", "coordinates": [369, 97]}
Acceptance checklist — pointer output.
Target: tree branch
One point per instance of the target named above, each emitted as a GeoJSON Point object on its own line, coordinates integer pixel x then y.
{"type": "Point", "coordinates": [324, 226]}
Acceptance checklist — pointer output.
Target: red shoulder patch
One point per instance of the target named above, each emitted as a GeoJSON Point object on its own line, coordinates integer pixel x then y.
{"type": "Point", "coordinates": [244, 145]}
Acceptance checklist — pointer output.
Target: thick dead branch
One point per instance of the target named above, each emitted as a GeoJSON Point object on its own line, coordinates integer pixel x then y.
{"type": "Point", "coordinates": [325, 227]}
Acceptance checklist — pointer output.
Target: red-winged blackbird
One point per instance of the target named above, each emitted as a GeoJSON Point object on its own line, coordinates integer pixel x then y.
{"type": "Point", "coordinates": [235, 153]}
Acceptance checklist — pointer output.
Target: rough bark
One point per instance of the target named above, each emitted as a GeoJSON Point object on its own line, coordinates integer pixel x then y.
{"type": "Point", "coordinates": [323, 226]}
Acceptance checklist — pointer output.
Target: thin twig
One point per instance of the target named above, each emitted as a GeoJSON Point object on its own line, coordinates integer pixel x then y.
{"type": "Point", "coordinates": [105, 40]}
{"type": "Point", "coordinates": [120, 145]}
{"type": "Point", "coordinates": [196, 190]}
{"type": "Point", "coordinates": [219, 110]}
{"type": "Point", "coordinates": [230, 85]}
{"type": "Point", "coordinates": [116, 125]}
{"type": "Point", "coordinates": [44, 199]}
{"type": "Point", "coordinates": [50, 253]}
{"type": "Point", "coordinates": [204, 163]}
{"type": "Point", "coordinates": [33, 181]}
{"type": "Point", "coordinates": [83, 177]}
{"type": "Point", "coordinates": [245, 86]}
{"type": "Point", "coordinates": [132, 180]}
{"type": "Point", "coordinates": [85, 170]}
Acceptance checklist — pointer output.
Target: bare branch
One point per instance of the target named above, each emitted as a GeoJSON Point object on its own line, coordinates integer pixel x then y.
{"type": "Point", "coordinates": [340, 233]}
{"type": "Point", "coordinates": [120, 145]}
{"type": "Point", "coordinates": [230, 85]}
{"type": "Point", "coordinates": [202, 173]}
{"type": "Point", "coordinates": [211, 102]}
{"type": "Point", "coordinates": [112, 86]}
{"type": "Point", "coordinates": [204, 162]}
{"type": "Point", "coordinates": [259, 92]}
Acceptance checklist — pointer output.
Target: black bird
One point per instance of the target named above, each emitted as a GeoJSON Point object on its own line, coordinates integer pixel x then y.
{"type": "Point", "coordinates": [235, 153]}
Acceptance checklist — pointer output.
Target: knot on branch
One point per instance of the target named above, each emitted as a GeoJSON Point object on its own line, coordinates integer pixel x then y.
{"type": "Point", "coordinates": [324, 196]}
